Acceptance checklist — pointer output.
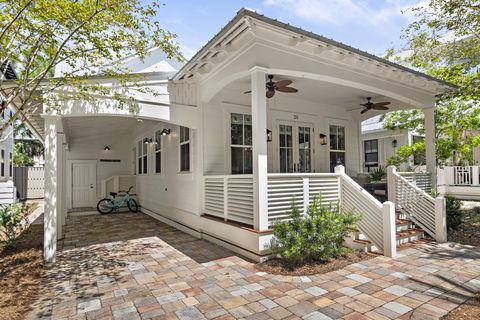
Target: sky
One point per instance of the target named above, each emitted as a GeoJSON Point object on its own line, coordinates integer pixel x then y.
{"type": "Point", "coordinates": [369, 25]}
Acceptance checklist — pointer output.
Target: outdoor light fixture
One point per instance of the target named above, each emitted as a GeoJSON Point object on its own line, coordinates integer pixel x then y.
{"type": "Point", "coordinates": [394, 143]}
{"type": "Point", "coordinates": [107, 148]}
{"type": "Point", "coordinates": [165, 132]}
{"type": "Point", "coordinates": [323, 139]}
{"type": "Point", "coordinates": [147, 140]}
{"type": "Point", "coordinates": [269, 136]}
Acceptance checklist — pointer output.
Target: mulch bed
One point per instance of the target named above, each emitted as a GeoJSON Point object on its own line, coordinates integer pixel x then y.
{"type": "Point", "coordinates": [469, 231]}
{"type": "Point", "coordinates": [467, 311]}
{"type": "Point", "coordinates": [278, 266]}
{"type": "Point", "coordinates": [21, 272]}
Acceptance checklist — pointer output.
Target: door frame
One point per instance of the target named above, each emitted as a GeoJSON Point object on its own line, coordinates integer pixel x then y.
{"type": "Point", "coordinates": [295, 124]}
{"type": "Point", "coordinates": [69, 179]}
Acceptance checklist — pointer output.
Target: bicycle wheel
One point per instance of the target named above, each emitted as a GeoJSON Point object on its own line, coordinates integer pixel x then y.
{"type": "Point", "coordinates": [132, 205]}
{"type": "Point", "coordinates": [105, 206]}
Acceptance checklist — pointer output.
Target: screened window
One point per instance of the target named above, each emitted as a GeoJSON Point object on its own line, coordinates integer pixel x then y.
{"type": "Point", "coordinates": [418, 157]}
{"type": "Point", "coordinates": [158, 152]}
{"type": "Point", "coordinates": [184, 149]}
{"type": "Point", "coordinates": [241, 143]}
{"type": "Point", "coordinates": [370, 148]}
{"type": "Point", "coordinates": [337, 146]}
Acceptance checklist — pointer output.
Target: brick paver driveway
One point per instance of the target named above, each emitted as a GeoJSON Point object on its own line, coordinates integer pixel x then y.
{"type": "Point", "coordinates": [130, 266]}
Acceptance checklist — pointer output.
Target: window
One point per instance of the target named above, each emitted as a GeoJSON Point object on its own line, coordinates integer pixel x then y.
{"type": "Point", "coordinates": [10, 165]}
{"type": "Point", "coordinates": [241, 143]}
{"type": "Point", "coordinates": [2, 165]}
{"type": "Point", "coordinates": [418, 157]}
{"type": "Point", "coordinates": [370, 148]}
{"type": "Point", "coordinates": [337, 146]}
{"type": "Point", "coordinates": [158, 152]}
{"type": "Point", "coordinates": [141, 157]}
{"type": "Point", "coordinates": [184, 149]}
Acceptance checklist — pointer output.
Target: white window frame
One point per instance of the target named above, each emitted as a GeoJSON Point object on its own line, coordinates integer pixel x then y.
{"type": "Point", "coordinates": [182, 143]}
{"type": "Point", "coordinates": [2, 163]}
{"type": "Point", "coordinates": [330, 150]}
{"type": "Point", "coordinates": [10, 164]}
{"type": "Point", "coordinates": [141, 147]}
{"type": "Point", "coordinates": [158, 150]}
{"type": "Point", "coordinates": [239, 145]}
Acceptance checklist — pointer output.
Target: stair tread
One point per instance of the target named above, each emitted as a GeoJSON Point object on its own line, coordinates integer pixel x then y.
{"type": "Point", "coordinates": [411, 231]}
{"type": "Point", "coordinates": [364, 241]}
{"type": "Point", "coordinates": [402, 221]}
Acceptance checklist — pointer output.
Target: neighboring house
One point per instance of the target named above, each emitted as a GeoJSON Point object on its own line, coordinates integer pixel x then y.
{"type": "Point", "coordinates": [222, 163]}
{"type": "Point", "coordinates": [379, 144]}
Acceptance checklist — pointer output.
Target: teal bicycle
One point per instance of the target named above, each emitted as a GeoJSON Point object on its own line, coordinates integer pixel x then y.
{"type": "Point", "coordinates": [107, 205]}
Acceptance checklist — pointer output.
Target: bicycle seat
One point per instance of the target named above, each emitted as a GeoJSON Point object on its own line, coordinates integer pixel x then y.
{"type": "Point", "coordinates": [113, 194]}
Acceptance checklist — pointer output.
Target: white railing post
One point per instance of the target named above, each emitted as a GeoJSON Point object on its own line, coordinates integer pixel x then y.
{"type": "Point", "coordinates": [340, 169]}
{"type": "Point", "coordinates": [389, 230]}
{"type": "Point", "coordinates": [440, 219]}
{"type": "Point", "coordinates": [475, 177]}
{"type": "Point", "coordinates": [225, 198]}
{"type": "Point", "coordinates": [391, 184]}
{"type": "Point", "coordinates": [306, 194]}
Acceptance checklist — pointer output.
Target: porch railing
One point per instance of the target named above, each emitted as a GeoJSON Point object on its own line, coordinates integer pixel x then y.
{"type": "Point", "coordinates": [423, 180]}
{"type": "Point", "coordinates": [424, 210]}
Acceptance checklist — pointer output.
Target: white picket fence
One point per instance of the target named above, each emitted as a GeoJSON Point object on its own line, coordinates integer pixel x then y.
{"type": "Point", "coordinates": [29, 182]}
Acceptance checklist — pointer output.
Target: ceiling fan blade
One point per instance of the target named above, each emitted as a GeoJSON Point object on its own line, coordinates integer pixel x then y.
{"type": "Point", "coordinates": [249, 91]}
{"type": "Point", "coordinates": [377, 107]}
{"type": "Point", "coordinates": [366, 105]}
{"type": "Point", "coordinates": [283, 83]}
{"type": "Point", "coordinates": [270, 93]}
{"type": "Point", "coordinates": [381, 104]}
{"type": "Point", "coordinates": [364, 110]}
{"type": "Point", "coordinates": [354, 109]}
{"type": "Point", "coordinates": [287, 89]}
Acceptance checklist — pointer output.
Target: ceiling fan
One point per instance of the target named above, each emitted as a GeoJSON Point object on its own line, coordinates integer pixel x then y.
{"type": "Point", "coordinates": [369, 105]}
{"type": "Point", "coordinates": [281, 86]}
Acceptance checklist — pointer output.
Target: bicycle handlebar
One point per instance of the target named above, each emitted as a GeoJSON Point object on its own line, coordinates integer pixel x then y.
{"type": "Point", "coordinates": [129, 189]}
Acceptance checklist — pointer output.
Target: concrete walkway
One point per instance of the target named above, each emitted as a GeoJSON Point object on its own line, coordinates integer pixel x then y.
{"type": "Point", "coordinates": [130, 266]}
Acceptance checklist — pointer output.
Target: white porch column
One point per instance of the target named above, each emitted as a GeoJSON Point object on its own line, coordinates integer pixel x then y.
{"type": "Point", "coordinates": [430, 153]}
{"type": "Point", "coordinates": [259, 142]}
{"type": "Point", "coordinates": [53, 186]}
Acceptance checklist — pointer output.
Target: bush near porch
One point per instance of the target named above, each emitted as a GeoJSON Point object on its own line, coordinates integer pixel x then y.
{"type": "Point", "coordinates": [13, 221]}
{"type": "Point", "coordinates": [316, 236]}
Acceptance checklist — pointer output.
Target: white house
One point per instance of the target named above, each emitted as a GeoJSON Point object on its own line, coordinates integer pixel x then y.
{"type": "Point", "coordinates": [379, 144]}
{"type": "Point", "coordinates": [215, 157]}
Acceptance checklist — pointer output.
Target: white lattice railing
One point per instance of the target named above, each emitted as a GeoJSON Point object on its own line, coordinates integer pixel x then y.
{"type": "Point", "coordinates": [283, 187]}
{"type": "Point", "coordinates": [422, 180]}
{"type": "Point", "coordinates": [229, 197]}
{"type": "Point", "coordinates": [466, 176]}
{"type": "Point", "coordinates": [424, 210]}
{"type": "Point", "coordinates": [354, 197]}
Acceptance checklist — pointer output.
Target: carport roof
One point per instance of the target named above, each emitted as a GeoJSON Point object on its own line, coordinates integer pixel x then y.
{"type": "Point", "coordinates": [244, 13]}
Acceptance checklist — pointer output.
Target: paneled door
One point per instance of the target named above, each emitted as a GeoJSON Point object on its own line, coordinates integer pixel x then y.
{"type": "Point", "coordinates": [84, 183]}
{"type": "Point", "coordinates": [295, 146]}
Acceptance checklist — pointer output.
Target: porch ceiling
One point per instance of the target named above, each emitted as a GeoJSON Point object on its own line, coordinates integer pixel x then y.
{"type": "Point", "coordinates": [98, 132]}
{"type": "Point", "coordinates": [322, 93]}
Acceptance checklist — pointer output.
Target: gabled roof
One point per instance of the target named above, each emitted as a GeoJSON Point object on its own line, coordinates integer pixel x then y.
{"type": "Point", "coordinates": [243, 13]}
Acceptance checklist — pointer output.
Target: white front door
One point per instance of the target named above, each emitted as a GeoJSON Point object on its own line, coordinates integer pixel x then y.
{"type": "Point", "coordinates": [295, 146]}
{"type": "Point", "coordinates": [84, 183]}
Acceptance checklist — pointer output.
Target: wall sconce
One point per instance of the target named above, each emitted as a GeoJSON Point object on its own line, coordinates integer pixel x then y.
{"type": "Point", "coordinates": [323, 139]}
{"type": "Point", "coordinates": [269, 135]}
{"type": "Point", "coordinates": [147, 140]}
{"type": "Point", "coordinates": [394, 143]}
{"type": "Point", "coordinates": [165, 132]}
{"type": "Point", "coordinates": [107, 148]}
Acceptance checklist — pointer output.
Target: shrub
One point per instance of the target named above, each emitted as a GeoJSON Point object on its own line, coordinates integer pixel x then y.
{"type": "Point", "coordinates": [454, 213]}
{"type": "Point", "coordinates": [13, 222]}
{"type": "Point", "coordinates": [318, 235]}
{"type": "Point", "coordinates": [377, 174]}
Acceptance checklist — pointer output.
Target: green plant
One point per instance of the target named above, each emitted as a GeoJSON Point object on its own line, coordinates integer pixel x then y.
{"type": "Point", "coordinates": [318, 235]}
{"type": "Point", "coordinates": [455, 215]}
{"type": "Point", "coordinates": [377, 174]}
{"type": "Point", "coordinates": [13, 222]}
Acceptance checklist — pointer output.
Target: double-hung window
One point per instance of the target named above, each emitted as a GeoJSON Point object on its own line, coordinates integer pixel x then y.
{"type": "Point", "coordinates": [142, 157]}
{"type": "Point", "coordinates": [2, 164]}
{"type": "Point", "coordinates": [10, 165]}
{"type": "Point", "coordinates": [337, 146]}
{"type": "Point", "coordinates": [158, 152]}
{"type": "Point", "coordinates": [370, 148]}
{"type": "Point", "coordinates": [241, 143]}
{"type": "Point", "coordinates": [184, 149]}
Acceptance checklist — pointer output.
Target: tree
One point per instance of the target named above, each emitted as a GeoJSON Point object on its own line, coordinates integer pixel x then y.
{"type": "Point", "coordinates": [25, 147]}
{"type": "Point", "coordinates": [444, 42]}
{"type": "Point", "coordinates": [36, 36]}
